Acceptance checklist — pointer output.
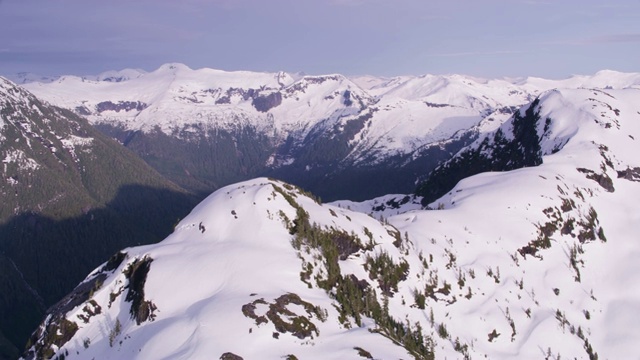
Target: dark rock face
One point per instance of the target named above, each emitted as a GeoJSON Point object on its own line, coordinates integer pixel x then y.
{"type": "Point", "coordinates": [347, 98]}
{"type": "Point", "coordinates": [141, 309]}
{"type": "Point", "coordinates": [230, 356]}
{"type": "Point", "coordinates": [494, 153]}
{"type": "Point", "coordinates": [82, 110]}
{"type": "Point", "coordinates": [115, 79]}
{"type": "Point", "coordinates": [120, 106]}
{"type": "Point", "coordinates": [268, 102]}
{"type": "Point", "coordinates": [602, 179]}
{"type": "Point", "coordinates": [236, 92]}
{"type": "Point", "coordinates": [283, 319]}
{"type": "Point", "coordinates": [631, 174]}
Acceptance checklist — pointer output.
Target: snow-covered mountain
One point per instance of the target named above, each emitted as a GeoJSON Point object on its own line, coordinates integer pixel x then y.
{"type": "Point", "coordinates": [27, 77]}
{"type": "Point", "coordinates": [110, 76]}
{"type": "Point", "coordinates": [535, 262]}
{"type": "Point", "coordinates": [299, 128]}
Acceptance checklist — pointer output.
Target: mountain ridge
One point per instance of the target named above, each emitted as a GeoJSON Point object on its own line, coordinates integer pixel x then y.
{"type": "Point", "coordinates": [395, 126]}
{"type": "Point", "coordinates": [509, 264]}
{"type": "Point", "coordinates": [62, 210]}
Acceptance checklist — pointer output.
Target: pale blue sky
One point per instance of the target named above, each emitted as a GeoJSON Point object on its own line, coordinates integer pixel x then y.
{"type": "Point", "coordinates": [490, 38]}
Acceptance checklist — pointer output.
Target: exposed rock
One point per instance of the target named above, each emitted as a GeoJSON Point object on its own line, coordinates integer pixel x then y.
{"type": "Point", "coordinates": [495, 152]}
{"type": "Point", "coordinates": [120, 106]}
{"type": "Point", "coordinates": [347, 98]}
{"type": "Point", "coordinates": [141, 309]}
{"type": "Point", "coordinates": [602, 179]}
{"type": "Point", "coordinates": [230, 356]}
{"type": "Point", "coordinates": [631, 174]}
{"type": "Point", "coordinates": [268, 102]}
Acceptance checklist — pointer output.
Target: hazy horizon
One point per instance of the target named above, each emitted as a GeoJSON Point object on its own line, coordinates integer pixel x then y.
{"type": "Point", "coordinates": [489, 39]}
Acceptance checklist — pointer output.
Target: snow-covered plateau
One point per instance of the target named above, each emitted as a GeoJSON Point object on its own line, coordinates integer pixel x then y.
{"type": "Point", "coordinates": [539, 262]}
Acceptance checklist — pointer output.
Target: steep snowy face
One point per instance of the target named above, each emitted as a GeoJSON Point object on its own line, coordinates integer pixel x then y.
{"type": "Point", "coordinates": [556, 239]}
{"type": "Point", "coordinates": [542, 128]}
{"type": "Point", "coordinates": [175, 95]}
{"type": "Point", "coordinates": [181, 102]}
{"type": "Point", "coordinates": [533, 262]}
{"type": "Point", "coordinates": [537, 261]}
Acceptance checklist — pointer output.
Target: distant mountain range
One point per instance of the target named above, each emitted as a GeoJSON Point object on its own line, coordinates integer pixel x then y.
{"type": "Point", "coordinates": [206, 128]}
{"type": "Point", "coordinates": [546, 180]}
{"type": "Point", "coordinates": [531, 255]}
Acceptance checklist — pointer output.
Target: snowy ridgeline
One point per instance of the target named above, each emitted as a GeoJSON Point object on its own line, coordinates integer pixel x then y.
{"type": "Point", "coordinates": [401, 114]}
{"type": "Point", "coordinates": [537, 262]}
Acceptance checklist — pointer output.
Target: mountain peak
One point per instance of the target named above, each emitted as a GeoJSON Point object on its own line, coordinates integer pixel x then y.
{"type": "Point", "coordinates": [6, 83]}
{"type": "Point", "coordinates": [10, 92]}
{"type": "Point", "coordinates": [236, 259]}
{"type": "Point", "coordinates": [172, 67]}
{"type": "Point", "coordinates": [120, 75]}
{"type": "Point", "coordinates": [26, 77]}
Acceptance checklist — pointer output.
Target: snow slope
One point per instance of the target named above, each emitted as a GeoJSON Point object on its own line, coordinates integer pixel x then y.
{"type": "Point", "coordinates": [537, 262]}
{"type": "Point", "coordinates": [597, 132]}
{"type": "Point", "coordinates": [232, 250]}
{"type": "Point", "coordinates": [550, 247]}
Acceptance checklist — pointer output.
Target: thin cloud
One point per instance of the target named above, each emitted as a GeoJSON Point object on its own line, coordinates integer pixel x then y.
{"type": "Point", "coordinates": [537, 2]}
{"type": "Point", "coordinates": [476, 53]}
{"type": "Point", "coordinates": [603, 39]}
{"type": "Point", "coordinates": [616, 6]}
{"type": "Point", "coordinates": [615, 38]}
{"type": "Point", "coordinates": [429, 17]}
{"type": "Point", "coordinates": [349, 2]}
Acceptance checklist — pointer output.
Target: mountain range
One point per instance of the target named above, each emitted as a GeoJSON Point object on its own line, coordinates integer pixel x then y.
{"type": "Point", "coordinates": [513, 238]}
{"type": "Point", "coordinates": [338, 137]}
{"type": "Point", "coordinates": [528, 252]}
